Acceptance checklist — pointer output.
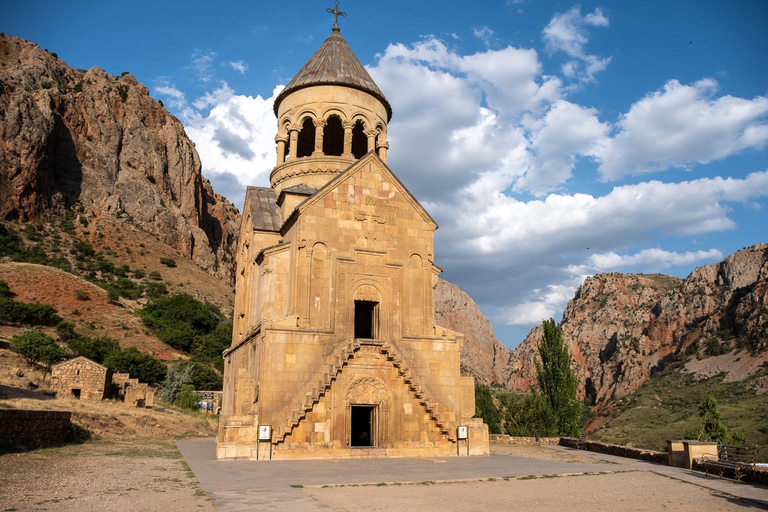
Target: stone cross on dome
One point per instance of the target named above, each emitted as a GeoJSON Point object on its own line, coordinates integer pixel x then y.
{"type": "Point", "coordinates": [336, 13]}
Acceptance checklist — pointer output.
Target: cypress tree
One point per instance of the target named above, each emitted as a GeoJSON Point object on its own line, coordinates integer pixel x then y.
{"type": "Point", "coordinates": [557, 381]}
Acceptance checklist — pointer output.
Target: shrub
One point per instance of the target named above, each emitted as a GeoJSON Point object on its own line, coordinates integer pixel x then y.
{"type": "Point", "coordinates": [155, 276]}
{"type": "Point", "coordinates": [187, 399]}
{"type": "Point", "coordinates": [140, 366]}
{"type": "Point", "coordinates": [12, 312]}
{"type": "Point", "coordinates": [37, 347]}
{"type": "Point", "coordinates": [168, 262]}
{"type": "Point", "coordinates": [122, 90]}
{"type": "Point", "coordinates": [138, 273]}
{"type": "Point", "coordinates": [96, 349]}
{"type": "Point", "coordinates": [82, 295]}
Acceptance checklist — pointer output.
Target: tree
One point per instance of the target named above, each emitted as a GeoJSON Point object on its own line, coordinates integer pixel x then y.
{"type": "Point", "coordinates": [38, 347]}
{"type": "Point", "coordinates": [96, 349]}
{"type": "Point", "coordinates": [139, 366]}
{"type": "Point", "coordinates": [486, 408]}
{"type": "Point", "coordinates": [557, 381]}
{"type": "Point", "coordinates": [174, 382]}
{"type": "Point", "coordinates": [712, 427]}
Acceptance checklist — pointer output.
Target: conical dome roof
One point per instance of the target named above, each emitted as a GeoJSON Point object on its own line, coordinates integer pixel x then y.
{"type": "Point", "coordinates": [334, 63]}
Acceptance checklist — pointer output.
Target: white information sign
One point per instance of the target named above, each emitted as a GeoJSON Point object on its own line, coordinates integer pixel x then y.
{"type": "Point", "coordinates": [265, 433]}
{"type": "Point", "coordinates": [462, 432]}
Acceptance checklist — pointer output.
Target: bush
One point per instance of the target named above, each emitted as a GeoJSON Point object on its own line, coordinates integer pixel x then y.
{"type": "Point", "coordinates": [138, 273]}
{"type": "Point", "coordinates": [187, 399]}
{"type": "Point", "coordinates": [82, 295]}
{"type": "Point", "coordinates": [177, 320]}
{"type": "Point", "coordinates": [96, 349]}
{"type": "Point", "coordinates": [12, 312]}
{"type": "Point", "coordinates": [139, 366]}
{"type": "Point", "coordinates": [37, 347]}
{"type": "Point", "coordinates": [168, 262]}
{"type": "Point", "coordinates": [155, 276]}
{"type": "Point", "coordinates": [486, 409]}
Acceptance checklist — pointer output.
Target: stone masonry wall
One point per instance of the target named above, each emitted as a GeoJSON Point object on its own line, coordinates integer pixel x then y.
{"type": "Point", "coordinates": [33, 429]}
{"type": "Point", "coordinates": [90, 378]}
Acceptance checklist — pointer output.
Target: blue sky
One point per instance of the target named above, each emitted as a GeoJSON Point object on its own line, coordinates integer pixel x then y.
{"type": "Point", "coordinates": [550, 140]}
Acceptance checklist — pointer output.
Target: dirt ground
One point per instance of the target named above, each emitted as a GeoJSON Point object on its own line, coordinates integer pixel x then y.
{"type": "Point", "coordinates": [101, 476]}
{"type": "Point", "coordinates": [609, 492]}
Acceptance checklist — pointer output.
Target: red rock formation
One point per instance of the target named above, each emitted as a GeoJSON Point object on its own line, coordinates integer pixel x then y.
{"type": "Point", "coordinates": [482, 355]}
{"type": "Point", "coordinates": [72, 137]}
{"type": "Point", "coordinates": [622, 328]}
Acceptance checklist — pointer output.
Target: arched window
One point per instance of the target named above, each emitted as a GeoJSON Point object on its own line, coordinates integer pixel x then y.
{"type": "Point", "coordinates": [306, 143]}
{"type": "Point", "coordinates": [359, 140]}
{"type": "Point", "coordinates": [333, 137]}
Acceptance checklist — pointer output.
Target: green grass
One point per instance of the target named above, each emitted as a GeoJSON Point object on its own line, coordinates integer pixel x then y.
{"type": "Point", "coordinates": [667, 406]}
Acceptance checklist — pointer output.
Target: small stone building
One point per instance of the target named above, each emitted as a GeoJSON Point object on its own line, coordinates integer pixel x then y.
{"type": "Point", "coordinates": [335, 349]}
{"type": "Point", "coordinates": [81, 378]}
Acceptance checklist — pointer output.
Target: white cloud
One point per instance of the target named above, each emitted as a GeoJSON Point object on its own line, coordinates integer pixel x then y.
{"type": "Point", "coordinates": [682, 125]}
{"type": "Point", "coordinates": [470, 132]}
{"type": "Point", "coordinates": [649, 260]}
{"type": "Point", "coordinates": [567, 32]}
{"type": "Point", "coordinates": [239, 66]}
{"type": "Point", "coordinates": [201, 63]}
{"type": "Point", "coordinates": [485, 34]}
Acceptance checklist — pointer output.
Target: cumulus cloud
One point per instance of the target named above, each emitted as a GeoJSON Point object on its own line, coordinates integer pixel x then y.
{"type": "Point", "coordinates": [647, 260]}
{"type": "Point", "coordinates": [568, 32]}
{"type": "Point", "coordinates": [474, 134]}
{"type": "Point", "coordinates": [682, 125]}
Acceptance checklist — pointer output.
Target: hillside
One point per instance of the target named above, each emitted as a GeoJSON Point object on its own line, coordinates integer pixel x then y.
{"type": "Point", "coordinates": [622, 328]}
{"type": "Point", "coordinates": [81, 139]}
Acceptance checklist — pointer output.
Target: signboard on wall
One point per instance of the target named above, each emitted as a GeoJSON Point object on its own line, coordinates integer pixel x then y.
{"type": "Point", "coordinates": [265, 433]}
{"type": "Point", "coordinates": [462, 432]}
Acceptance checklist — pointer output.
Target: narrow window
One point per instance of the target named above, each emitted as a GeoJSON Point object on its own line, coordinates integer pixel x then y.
{"type": "Point", "coordinates": [366, 314]}
{"type": "Point", "coordinates": [306, 143]}
{"type": "Point", "coordinates": [76, 393]}
{"type": "Point", "coordinates": [333, 137]}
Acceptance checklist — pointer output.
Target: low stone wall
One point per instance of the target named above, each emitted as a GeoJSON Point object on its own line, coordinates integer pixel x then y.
{"type": "Point", "coordinates": [616, 449]}
{"type": "Point", "coordinates": [502, 439]}
{"type": "Point", "coordinates": [33, 429]}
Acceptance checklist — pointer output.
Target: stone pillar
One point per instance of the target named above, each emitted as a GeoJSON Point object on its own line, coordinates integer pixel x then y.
{"type": "Point", "coordinates": [319, 125]}
{"type": "Point", "coordinates": [383, 147]}
{"type": "Point", "coordinates": [293, 134]}
{"type": "Point", "coordinates": [348, 125]}
{"type": "Point", "coordinates": [281, 140]}
{"type": "Point", "coordinates": [371, 134]}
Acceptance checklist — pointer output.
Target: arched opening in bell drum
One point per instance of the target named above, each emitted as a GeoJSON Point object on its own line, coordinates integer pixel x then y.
{"type": "Point", "coordinates": [306, 143]}
{"type": "Point", "coordinates": [333, 137]}
{"type": "Point", "coordinates": [359, 140]}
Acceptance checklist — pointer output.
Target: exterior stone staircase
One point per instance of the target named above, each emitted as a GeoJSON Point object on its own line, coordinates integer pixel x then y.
{"type": "Point", "coordinates": [331, 374]}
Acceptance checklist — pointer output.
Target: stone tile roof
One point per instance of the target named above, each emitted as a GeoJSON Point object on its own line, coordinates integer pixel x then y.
{"type": "Point", "coordinates": [334, 63]}
{"type": "Point", "coordinates": [301, 189]}
{"type": "Point", "coordinates": [265, 214]}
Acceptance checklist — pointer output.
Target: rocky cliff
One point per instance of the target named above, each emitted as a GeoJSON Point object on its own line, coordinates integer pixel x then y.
{"type": "Point", "coordinates": [622, 328]}
{"type": "Point", "coordinates": [87, 139]}
{"type": "Point", "coordinates": [483, 356]}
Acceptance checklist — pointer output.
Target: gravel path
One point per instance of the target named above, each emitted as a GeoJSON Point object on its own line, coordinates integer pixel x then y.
{"type": "Point", "coordinates": [610, 492]}
{"type": "Point", "coordinates": [106, 477]}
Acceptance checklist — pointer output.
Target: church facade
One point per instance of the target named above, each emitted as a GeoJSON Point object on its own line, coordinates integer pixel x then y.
{"type": "Point", "coordinates": [335, 349]}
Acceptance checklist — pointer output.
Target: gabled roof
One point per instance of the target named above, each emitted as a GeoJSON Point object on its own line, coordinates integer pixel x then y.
{"type": "Point", "coordinates": [85, 359]}
{"type": "Point", "coordinates": [297, 190]}
{"type": "Point", "coordinates": [334, 63]}
{"type": "Point", "coordinates": [265, 213]}
{"type": "Point", "coordinates": [350, 171]}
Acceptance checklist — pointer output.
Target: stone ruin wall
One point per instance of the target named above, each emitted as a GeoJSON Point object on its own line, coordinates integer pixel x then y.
{"type": "Point", "coordinates": [33, 429]}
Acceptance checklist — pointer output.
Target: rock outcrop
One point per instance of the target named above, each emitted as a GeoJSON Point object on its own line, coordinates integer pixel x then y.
{"type": "Point", "coordinates": [99, 142]}
{"type": "Point", "coordinates": [622, 328]}
{"type": "Point", "coordinates": [482, 355]}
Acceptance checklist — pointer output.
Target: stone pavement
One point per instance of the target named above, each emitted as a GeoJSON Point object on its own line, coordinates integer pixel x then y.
{"type": "Point", "coordinates": [239, 485]}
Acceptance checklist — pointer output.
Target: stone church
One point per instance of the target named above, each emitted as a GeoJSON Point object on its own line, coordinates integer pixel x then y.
{"type": "Point", "coordinates": [335, 350]}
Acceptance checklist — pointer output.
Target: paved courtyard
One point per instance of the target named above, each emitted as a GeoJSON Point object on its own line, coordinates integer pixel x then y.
{"type": "Point", "coordinates": [551, 478]}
